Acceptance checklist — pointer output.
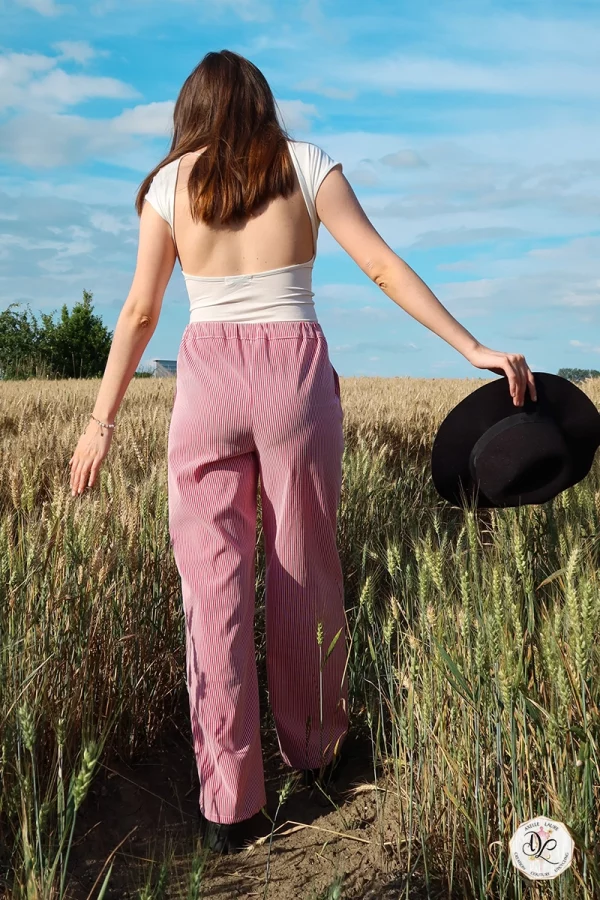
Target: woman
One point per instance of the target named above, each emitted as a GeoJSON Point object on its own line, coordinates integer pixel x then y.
{"type": "Point", "coordinates": [238, 203]}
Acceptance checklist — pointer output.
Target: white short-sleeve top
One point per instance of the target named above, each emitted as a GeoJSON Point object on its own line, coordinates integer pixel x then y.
{"type": "Point", "coordinates": [282, 294]}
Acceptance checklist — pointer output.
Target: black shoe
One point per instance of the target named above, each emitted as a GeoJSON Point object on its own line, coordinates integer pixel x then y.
{"type": "Point", "coordinates": [223, 837]}
{"type": "Point", "coordinates": [330, 772]}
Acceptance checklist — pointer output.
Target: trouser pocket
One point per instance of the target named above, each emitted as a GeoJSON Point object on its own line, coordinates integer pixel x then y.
{"type": "Point", "coordinates": [336, 379]}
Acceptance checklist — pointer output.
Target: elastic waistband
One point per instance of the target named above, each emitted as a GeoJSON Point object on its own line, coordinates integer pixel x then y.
{"type": "Point", "coordinates": [253, 330]}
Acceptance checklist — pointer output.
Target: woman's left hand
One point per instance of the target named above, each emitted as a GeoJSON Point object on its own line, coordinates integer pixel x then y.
{"type": "Point", "coordinates": [92, 447]}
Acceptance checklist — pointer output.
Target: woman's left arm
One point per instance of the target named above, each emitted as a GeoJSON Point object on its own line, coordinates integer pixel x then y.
{"type": "Point", "coordinates": [135, 326]}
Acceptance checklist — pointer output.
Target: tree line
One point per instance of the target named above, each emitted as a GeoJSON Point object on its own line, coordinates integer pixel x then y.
{"type": "Point", "coordinates": [77, 346]}
{"type": "Point", "coordinates": [578, 374]}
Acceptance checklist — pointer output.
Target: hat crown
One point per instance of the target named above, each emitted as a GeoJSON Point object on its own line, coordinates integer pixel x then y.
{"type": "Point", "coordinates": [522, 453]}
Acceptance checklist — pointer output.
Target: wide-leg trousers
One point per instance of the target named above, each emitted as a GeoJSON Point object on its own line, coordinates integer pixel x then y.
{"type": "Point", "coordinates": [258, 400]}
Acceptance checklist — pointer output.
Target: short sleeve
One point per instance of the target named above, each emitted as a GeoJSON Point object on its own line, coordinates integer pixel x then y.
{"type": "Point", "coordinates": [320, 163]}
{"type": "Point", "coordinates": [157, 196]}
{"type": "Point", "coordinates": [312, 165]}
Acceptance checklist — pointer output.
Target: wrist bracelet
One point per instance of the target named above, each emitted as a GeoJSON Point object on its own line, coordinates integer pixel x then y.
{"type": "Point", "coordinates": [105, 424]}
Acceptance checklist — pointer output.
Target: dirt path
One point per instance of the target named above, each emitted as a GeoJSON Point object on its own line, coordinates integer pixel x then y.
{"type": "Point", "coordinates": [157, 799]}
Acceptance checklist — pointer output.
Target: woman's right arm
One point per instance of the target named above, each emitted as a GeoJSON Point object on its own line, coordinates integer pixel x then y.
{"type": "Point", "coordinates": [339, 210]}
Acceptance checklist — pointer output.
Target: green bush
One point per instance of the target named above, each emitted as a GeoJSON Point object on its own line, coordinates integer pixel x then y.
{"type": "Point", "coordinates": [77, 346]}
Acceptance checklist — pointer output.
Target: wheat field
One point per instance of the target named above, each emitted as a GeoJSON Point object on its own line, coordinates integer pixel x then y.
{"type": "Point", "coordinates": [474, 659]}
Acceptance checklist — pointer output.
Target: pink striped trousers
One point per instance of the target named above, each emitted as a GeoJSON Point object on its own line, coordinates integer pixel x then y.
{"type": "Point", "coordinates": [258, 399]}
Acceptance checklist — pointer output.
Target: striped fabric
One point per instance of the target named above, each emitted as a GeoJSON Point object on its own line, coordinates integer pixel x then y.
{"type": "Point", "coordinates": [258, 400]}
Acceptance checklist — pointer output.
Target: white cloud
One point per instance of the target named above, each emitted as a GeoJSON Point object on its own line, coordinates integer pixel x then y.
{"type": "Point", "coordinates": [582, 294]}
{"type": "Point", "coordinates": [148, 118]}
{"type": "Point", "coordinates": [59, 89]}
{"type": "Point", "coordinates": [79, 51]}
{"type": "Point", "coordinates": [493, 52]}
{"type": "Point", "coordinates": [311, 12]}
{"type": "Point", "coordinates": [363, 176]}
{"type": "Point", "coordinates": [477, 289]}
{"type": "Point", "coordinates": [316, 86]}
{"type": "Point", "coordinates": [295, 114]}
{"type": "Point", "coordinates": [550, 290]}
{"type": "Point", "coordinates": [45, 7]}
{"type": "Point", "coordinates": [66, 246]}
{"type": "Point", "coordinates": [511, 33]}
{"type": "Point", "coordinates": [75, 242]}
{"type": "Point", "coordinates": [474, 190]}
{"type": "Point", "coordinates": [461, 265]}
{"type": "Point", "coordinates": [562, 285]}
{"type": "Point", "coordinates": [376, 312]}
{"type": "Point", "coordinates": [350, 294]}
{"type": "Point", "coordinates": [462, 235]}
{"type": "Point", "coordinates": [17, 70]}
{"type": "Point", "coordinates": [109, 222]}
{"type": "Point", "coordinates": [579, 251]}
{"type": "Point", "coordinates": [403, 159]}
{"type": "Point", "coordinates": [444, 364]}
{"type": "Point", "coordinates": [31, 81]}
{"type": "Point", "coordinates": [263, 42]}
{"type": "Point", "coordinates": [406, 73]}
{"type": "Point", "coordinates": [38, 139]}
{"type": "Point", "coordinates": [46, 142]}
{"type": "Point", "coordinates": [380, 346]}
{"type": "Point", "coordinates": [42, 135]}
{"type": "Point", "coordinates": [585, 346]}
{"type": "Point", "coordinates": [247, 10]}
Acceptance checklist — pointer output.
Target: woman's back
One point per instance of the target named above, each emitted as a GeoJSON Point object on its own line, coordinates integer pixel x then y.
{"type": "Point", "coordinates": [280, 234]}
{"type": "Point", "coordinates": [260, 271]}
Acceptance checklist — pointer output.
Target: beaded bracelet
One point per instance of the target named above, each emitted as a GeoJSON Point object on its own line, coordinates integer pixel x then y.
{"type": "Point", "coordinates": [105, 424]}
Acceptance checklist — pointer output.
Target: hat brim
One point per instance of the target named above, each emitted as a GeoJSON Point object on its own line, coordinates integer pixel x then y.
{"type": "Point", "coordinates": [573, 411]}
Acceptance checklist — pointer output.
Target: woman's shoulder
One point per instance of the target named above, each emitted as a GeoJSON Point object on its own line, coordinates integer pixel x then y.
{"type": "Point", "coordinates": [315, 156]}
{"type": "Point", "coordinates": [168, 170]}
{"type": "Point", "coordinates": [167, 174]}
{"type": "Point", "coordinates": [161, 189]}
{"type": "Point", "coordinates": [308, 148]}
{"type": "Point", "coordinates": [164, 177]}
{"type": "Point", "coordinates": [314, 161]}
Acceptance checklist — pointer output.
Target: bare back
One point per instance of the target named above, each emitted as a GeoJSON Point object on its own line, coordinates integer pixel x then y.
{"type": "Point", "coordinates": [279, 234]}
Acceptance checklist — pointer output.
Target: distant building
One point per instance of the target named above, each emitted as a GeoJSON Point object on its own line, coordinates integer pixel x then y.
{"type": "Point", "coordinates": [164, 367]}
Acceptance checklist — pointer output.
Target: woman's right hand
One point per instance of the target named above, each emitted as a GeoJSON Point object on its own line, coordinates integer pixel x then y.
{"type": "Point", "coordinates": [513, 365]}
{"type": "Point", "coordinates": [91, 449]}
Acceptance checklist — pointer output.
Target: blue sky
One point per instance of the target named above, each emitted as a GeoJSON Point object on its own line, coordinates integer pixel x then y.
{"type": "Point", "coordinates": [469, 132]}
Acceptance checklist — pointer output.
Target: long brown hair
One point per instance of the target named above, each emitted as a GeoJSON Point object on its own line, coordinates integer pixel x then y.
{"type": "Point", "coordinates": [227, 106]}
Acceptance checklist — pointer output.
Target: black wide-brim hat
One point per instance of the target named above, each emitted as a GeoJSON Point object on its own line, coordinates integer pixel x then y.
{"type": "Point", "coordinates": [490, 453]}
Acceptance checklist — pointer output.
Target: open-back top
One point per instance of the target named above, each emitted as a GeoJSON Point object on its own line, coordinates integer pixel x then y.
{"type": "Point", "coordinates": [282, 294]}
